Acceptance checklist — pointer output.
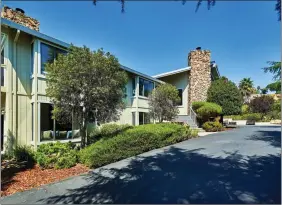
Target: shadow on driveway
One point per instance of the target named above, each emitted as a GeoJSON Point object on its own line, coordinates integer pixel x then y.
{"type": "Point", "coordinates": [181, 176]}
{"type": "Point", "coordinates": [273, 137]}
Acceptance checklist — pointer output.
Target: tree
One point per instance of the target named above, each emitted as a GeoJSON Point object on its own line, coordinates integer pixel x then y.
{"type": "Point", "coordinates": [246, 88]}
{"type": "Point", "coordinates": [210, 3]}
{"type": "Point", "coordinates": [274, 87]}
{"type": "Point", "coordinates": [262, 104]}
{"type": "Point", "coordinates": [163, 101]}
{"type": "Point", "coordinates": [86, 85]}
{"type": "Point", "coordinates": [226, 94]}
{"type": "Point", "coordinates": [274, 68]}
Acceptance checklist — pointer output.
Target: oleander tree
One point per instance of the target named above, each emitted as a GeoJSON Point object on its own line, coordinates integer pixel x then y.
{"type": "Point", "coordinates": [88, 85]}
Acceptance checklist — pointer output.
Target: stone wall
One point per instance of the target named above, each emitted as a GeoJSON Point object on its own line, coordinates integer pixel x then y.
{"type": "Point", "coordinates": [199, 75]}
{"type": "Point", "coordinates": [20, 18]}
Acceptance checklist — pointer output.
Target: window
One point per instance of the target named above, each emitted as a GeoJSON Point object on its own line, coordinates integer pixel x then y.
{"type": "Point", "coordinates": [145, 87]}
{"type": "Point", "coordinates": [51, 129]}
{"type": "Point", "coordinates": [3, 56]}
{"type": "Point", "coordinates": [144, 118]}
{"type": "Point", "coordinates": [180, 93]}
{"type": "Point", "coordinates": [48, 55]}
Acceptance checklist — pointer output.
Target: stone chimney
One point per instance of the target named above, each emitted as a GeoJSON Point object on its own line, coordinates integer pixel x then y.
{"type": "Point", "coordinates": [199, 75]}
{"type": "Point", "coordinates": [18, 16]}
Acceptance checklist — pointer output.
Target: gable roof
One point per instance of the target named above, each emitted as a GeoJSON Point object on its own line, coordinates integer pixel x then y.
{"type": "Point", "coordinates": [173, 72]}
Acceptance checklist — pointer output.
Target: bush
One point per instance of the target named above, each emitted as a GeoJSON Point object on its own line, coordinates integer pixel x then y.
{"type": "Point", "coordinates": [273, 115]}
{"type": "Point", "coordinates": [256, 116]}
{"type": "Point", "coordinates": [197, 105]}
{"type": "Point", "coordinates": [245, 109]}
{"type": "Point", "coordinates": [208, 110]}
{"type": "Point", "coordinates": [133, 142]}
{"type": "Point", "coordinates": [212, 126]}
{"type": "Point", "coordinates": [56, 155]}
{"type": "Point", "coordinates": [106, 131]}
{"type": "Point", "coordinates": [226, 94]}
{"type": "Point", "coordinates": [262, 104]}
{"type": "Point", "coordinates": [276, 106]}
{"type": "Point", "coordinates": [24, 153]}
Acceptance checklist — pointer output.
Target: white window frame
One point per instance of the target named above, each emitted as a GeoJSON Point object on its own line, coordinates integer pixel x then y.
{"type": "Point", "coordinates": [4, 46]}
{"type": "Point", "coordinates": [140, 94]}
{"type": "Point", "coordinates": [39, 73]}
{"type": "Point", "coordinates": [39, 128]}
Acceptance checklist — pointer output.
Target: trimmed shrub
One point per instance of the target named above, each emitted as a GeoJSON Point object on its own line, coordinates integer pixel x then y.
{"type": "Point", "coordinates": [133, 142]}
{"type": "Point", "coordinates": [245, 109]}
{"type": "Point", "coordinates": [208, 110]}
{"type": "Point", "coordinates": [226, 94]}
{"type": "Point", "coordinates": [262, 104]}
{"type": "Point", "coordinates": [56, 155]}
{"type": "Point", "coordinates": [197, 105]}
{"type": "Point", "coordinates": [212, 126]}
{"type": "Point", "coordinates": [106, 131]}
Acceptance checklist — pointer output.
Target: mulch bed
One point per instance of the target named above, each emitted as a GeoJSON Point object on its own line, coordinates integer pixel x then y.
{"type": "Point", "coordinates": [16, 178]}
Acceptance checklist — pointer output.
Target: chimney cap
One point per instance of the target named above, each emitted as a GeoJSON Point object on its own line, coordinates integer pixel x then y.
{"type": "Point", "coordinates": [198, 48]}
{"type": "Point", "coordinates": [20, 10]}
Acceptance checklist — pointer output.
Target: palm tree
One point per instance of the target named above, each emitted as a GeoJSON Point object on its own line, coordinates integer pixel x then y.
{"type": "Point", "coordinates": [246, 87]}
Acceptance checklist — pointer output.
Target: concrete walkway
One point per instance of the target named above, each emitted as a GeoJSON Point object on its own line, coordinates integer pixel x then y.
{"type": "Point", "coordinates": [238, 166]}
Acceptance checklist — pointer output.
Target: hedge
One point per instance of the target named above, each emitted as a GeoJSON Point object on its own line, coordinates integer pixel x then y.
{"type": "Point", "coordinates": [133, 142]}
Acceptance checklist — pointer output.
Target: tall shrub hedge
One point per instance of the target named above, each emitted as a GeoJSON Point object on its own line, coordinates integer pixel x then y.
{"type": "Point", "coordinates": [226, 94]}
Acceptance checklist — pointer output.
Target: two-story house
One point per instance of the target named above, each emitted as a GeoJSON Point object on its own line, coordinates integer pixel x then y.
{"type": "Point", "coordinates": [25, 108]}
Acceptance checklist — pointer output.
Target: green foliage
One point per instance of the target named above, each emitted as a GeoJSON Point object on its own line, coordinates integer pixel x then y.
{"type": "Point", "coordinates": [274, 87]}
{"type": "Point", "coordinates": [56, 155]}
{"type": "Point", "coordinates": [133, 142]}
{"type": "Point", "coordinates": [245, 109]}
{"type": "Point", "coordinates": [274, 68]}
{"type": "Point", "coordinates": [208, 110]}
{"type": "Point", "coordinates": [273, 115]}
{"type": "Point", "coordinates": [91, 78]}
{"type": "Point", "coordinates": [107, 130]}
{"type": "Point", "coordinates": [24, 153]}
{"type": "Point", "coordinates": [163, 101]}
{"type": "Point", "coordinates": [256, 116]}
{"type": "Point", "coordinates": [197, 105]}
{"type": "Point", "coordinates": [276, 106]}
{"type": "Point", "coordinates": [226, 94]}
{"type": "Point", "coordinates": [246, 87]}
{"type": "Point", "coordinates": [261, 104]}
{"type": "Point", "coordinates": [212, 126]}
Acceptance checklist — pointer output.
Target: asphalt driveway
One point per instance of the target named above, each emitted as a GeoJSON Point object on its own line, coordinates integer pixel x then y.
{"type": "Point", "coordinates": [238, 166]}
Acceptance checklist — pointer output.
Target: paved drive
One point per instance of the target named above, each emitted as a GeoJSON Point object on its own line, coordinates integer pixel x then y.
{"type": "Point", "coordinates": [238, 166]}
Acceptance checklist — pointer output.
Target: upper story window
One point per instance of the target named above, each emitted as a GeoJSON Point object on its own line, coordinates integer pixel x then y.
{"type": "Point", "coordinates": [145, 87]}
{"type": "Point", "coordinates": [3, 57]}
{"type": "Point", "coordinates": [49, 54]}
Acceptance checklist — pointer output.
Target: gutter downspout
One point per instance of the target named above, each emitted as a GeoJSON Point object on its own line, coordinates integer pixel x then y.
{"type": "Point", "coordinates": [14, 91]}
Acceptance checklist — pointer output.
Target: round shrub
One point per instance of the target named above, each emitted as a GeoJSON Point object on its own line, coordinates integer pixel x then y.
{"type": "Point", "coordinates": [262, 104]}
{"type": "Point", "coordinates": [197, 105]}
{"type": "Point", "coordinates": [209, 110]}
{"type": "Point", "coordinates": [245, 109]}
{"type": "Point", "coordinates": [212, 126]}
{"type": "Point", "coordinates": [226, 94]}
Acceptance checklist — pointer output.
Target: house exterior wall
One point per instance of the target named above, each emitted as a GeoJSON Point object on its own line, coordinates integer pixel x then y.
{"type": "Point", "coordinates": [25, 90]}
{"type": "Point", "coordinates": [180, 81]}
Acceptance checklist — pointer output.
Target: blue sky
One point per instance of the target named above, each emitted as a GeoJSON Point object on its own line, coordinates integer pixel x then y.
{"type": "Point", "coordinates": [155, 37]}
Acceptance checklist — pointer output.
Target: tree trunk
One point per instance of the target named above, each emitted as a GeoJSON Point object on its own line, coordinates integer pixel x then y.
{"type": "Point", "coordinates": [83, 135]}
